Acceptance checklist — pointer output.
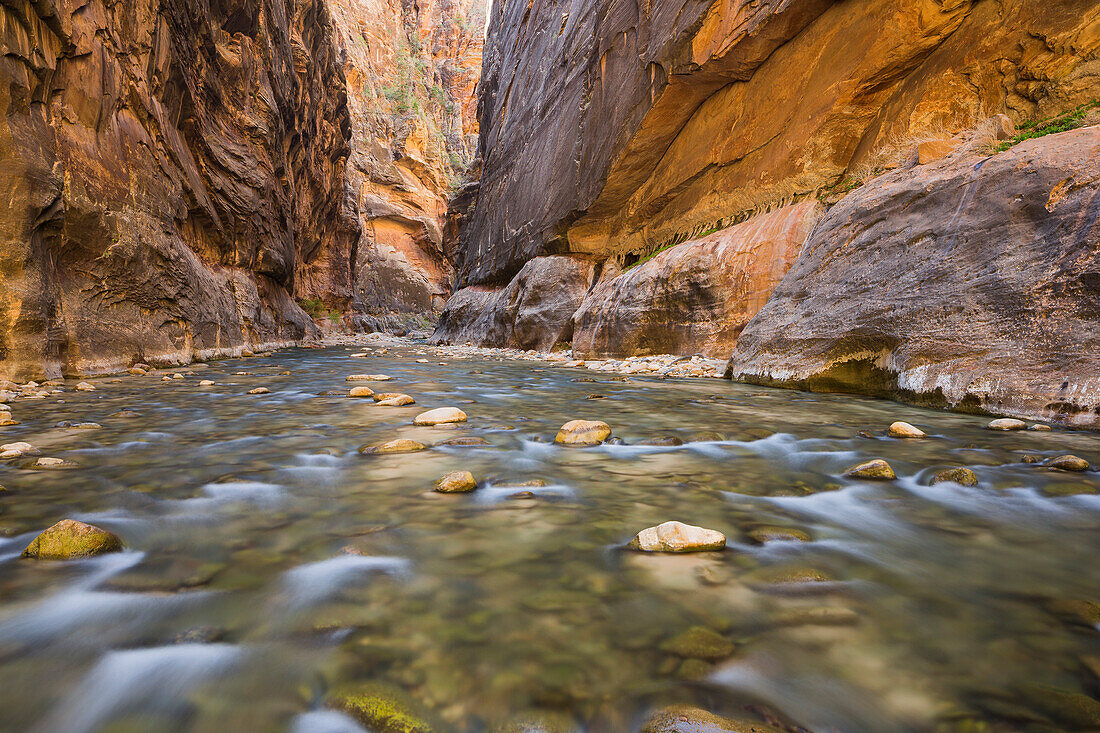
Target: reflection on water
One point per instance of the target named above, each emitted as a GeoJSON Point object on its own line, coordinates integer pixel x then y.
{"type": "Point", "coordinates": [270, 563]}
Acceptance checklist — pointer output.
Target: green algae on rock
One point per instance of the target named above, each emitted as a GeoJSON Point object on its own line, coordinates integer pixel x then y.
{"type": "Point", "coordinates": [70, 539]}
{"type": "Point", "coordinates": [456, 482]}
{"type": "Point", "coordinates": [1069, 463]}
{"type": "Point", "coordinates": [961, 476]}
{"type": "Point", "coordinates": [380, 708]}
{"type": "Point", "coordinates": [699, 642]}
{"type": "Point", "coordinates": [762, 535]}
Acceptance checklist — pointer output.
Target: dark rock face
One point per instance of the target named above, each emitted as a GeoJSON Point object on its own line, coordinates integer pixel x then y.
{"type": "Point", "coordinates": [697, 296]}
{"type": "Point", "coordinates": [534, 311]}
{"type": "Point", "coordinates": [612, 128]}
{"type": "Point", "coordinates": [175, 175]}
{"type": "Point", "coordinates": [972, 282]}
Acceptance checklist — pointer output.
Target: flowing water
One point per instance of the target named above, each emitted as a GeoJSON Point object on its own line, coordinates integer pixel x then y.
{"type": "Point", "coordinates": [269, 563]}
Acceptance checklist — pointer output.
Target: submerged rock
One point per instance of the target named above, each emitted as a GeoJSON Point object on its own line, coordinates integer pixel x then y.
{"type": "Point", "coordinates": [403, 445]}
{"type": "Point", "coordinates": [670, 441]}
{"type": "Point", "coordinates": [360, 392]}
{"type": "Point", "coordinates": [1006, 424]}
{"type": "Point", "coordinates": [677, 537]}
{"type": "Point", "coordinates": [47, 464]}
{"type": "Point", "coordinates": [699, 642]}
{"type": "Point", "coordinates": [381, 708]}
{"type": "Point", "coordinates": [875, 470]}
{"type": "Point", "coordinates": [72, 539]}
{"type": "Point", "coordinates": [1069, 463]}
{"type": "Point", "coordinates": [905, 430]}
{"type": "Point", "coordinates": [583, 432]}
{"type": "Point", "coordinates": [463, 442]}
{"type": "Point", "coordinates": [762, 535]}
{"type": "Point", "coordinates": [540, 722]}
{"type": "Point", "coordinates": [961, 476]}
{"type": "Point", "coordinates": [688, 719]}
{"type": "Point", "coordinates": [440, 416]}
{"type": "Point", "coordinates": [456, 482]}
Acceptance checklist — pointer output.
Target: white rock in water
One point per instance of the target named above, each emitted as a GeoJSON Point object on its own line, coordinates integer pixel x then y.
{"type": "Point", "coordinates": [85, 387]}
{"type": "Point", "coordinates": [206, 383]}
{"type": "Point", "coordinates": [440, 416]}
{"type": "Point", "coordinates": [678, 537]}
{"type": "Point", "coordinates": [905, 430]}
{"type": "Point", "coordinates": [15, 450]}
{"type": "Point", "coordinates": [1007, 423]}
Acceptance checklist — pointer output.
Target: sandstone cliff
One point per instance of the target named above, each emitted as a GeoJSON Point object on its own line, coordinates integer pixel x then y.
{"type": "Point", "coordinates": [411, 70]}
{"type": "Point", "coordinates": [971, 282]}
{"type": "Point", "coordinates": [612, 128]}
{"type": "Point", "coordinates": [175, 175]}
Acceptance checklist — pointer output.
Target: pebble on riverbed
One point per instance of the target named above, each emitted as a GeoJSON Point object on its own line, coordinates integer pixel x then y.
{"type": "Point", "coordinates": [361, 392]}
{"type": "Point", "coordinates": [456, 482]}
{"type": "Point", "coordinates": [699, 642]}
{"type": "Point", "coordinates": [677, 537]}
{"type": "Point", "coordinates": [583, 432]}
{"type": "Point", "coordinates": [440, 416]}
{"type": "Point", "coordinates": [876, 470]}
{"type": "Point", "coordinates": [961, 476]}
{"type": "Point", "coordinates": [403, 445]}
{"type": "Point", "coordinates": [905, 430]}
{"type": "Point", "coordinates": [71, 539]}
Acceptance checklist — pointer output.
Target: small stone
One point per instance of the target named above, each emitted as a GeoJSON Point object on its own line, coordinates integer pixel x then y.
{"type": "Point", "coordinates": [583, 432]}
{"type": "Point", "coordinates": [51, 463]}
{"type": "Point", "coordinates": [177, 375]}
{"type": "Point", "coordinates": [1007, 423]}
{"type": "Point", "coordinates": [666, 442]}
{"type": "Point", "coordinates": [462, 442]}
{"type": "Point", "coordinates": [961, 476]}
{"type": "Point", "coordinates": [440, 416]}
{"type": "Point", "coordinates": [398, 400]}
{"type": "Point", "coordinates": [85, 387]}
{"type": "Point", "coordinates": [688, 719]}
{"type": "Point", "coordinates": [876, 470]}
{"type": "Point", "coordinates": [456, 482]}
{"type": "Point", "coordinates": [207, 383]}
{"type": "Point", "coordinates": [369, 378]}
{"type": "Point", "coordinates": [7, 420]}
{"type": "Point", "coordinates": [403, 445]}
{"type": "Point", "coordinates": [905, 430]}
{"type": "Point", "coordinates": [421, 361]}
{"type": "Point", "coordinates": [259, 390]}
{"type": "Point", "coordinates": [677, 537]}
{"type": "Point", "coordinates": [137, 371]}
{"type": "Point", "coordinates": [763, 535]}
{"type": "Point", "coordinates": [71, 539]}
{"type": "Point", "coordinates": [1069, 463]}
{"type": "Point", "coordinates": [699, 642]}
{"type": "Point", "coordinates": [361, 392]}
{"type": "Point", "coordinates": [1040, 428]}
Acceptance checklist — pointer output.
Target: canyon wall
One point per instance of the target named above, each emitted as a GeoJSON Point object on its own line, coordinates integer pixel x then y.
{"type": "Point", "coordinates": [613, 131]}
{"type": "Point", "coordinates": [181, 174]}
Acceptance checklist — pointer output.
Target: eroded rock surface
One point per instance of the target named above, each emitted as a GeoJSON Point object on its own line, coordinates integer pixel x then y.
{"type": "Point", "coordinates": [696, 297]}
{"type": "Point", "coordinates": [972, 282]}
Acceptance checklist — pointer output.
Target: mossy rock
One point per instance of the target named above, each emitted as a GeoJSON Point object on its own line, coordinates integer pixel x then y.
{"type": "Point", "coordinates": [961, 476]}
{"type": "Point", "coordinates": [765, 534]}
{"type": "Point", "coordinates": [876, 470]}
{"type": "Point", "coordinates": [699, 642]}
{"type": "Point", "coordinates": [1069, 489]}
{"type": "Point", "coordinates": [70, 539]}
{"type": "Point", "coordinates": [688, 719]}
{"type": "Point", "coordinates": [381, 708]}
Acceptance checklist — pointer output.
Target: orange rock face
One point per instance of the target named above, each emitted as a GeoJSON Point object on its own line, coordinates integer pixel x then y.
{"type": "Point", "coordinates": [412, 70]}
{"type": "Point", "coordinates": [696, 297]}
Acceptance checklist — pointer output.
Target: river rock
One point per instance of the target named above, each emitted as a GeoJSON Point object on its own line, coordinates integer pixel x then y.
{"type": "Point", "coordinates": [16, 450]}
{"type": "Point", "coordinates": [456, 482]}
{"type": "Point", "coordinates": [72, 539]}
{"type": "Point", "coordinates": [1069, 463]}
{"type": "Point", "coordinates": [466, 442]}
{"type": "Point", "coordinates": [688, 719]}
{"type": "Point", "coordinates": [369, 378]}
{"type": "Point", "coordinates": [699, 642]}
{"type": "Point", "coordinates": [47, 464]}
{"type": "Point", "coordinates": [677, 537]}
{"type": "Point", "coordinates": [961, 476]}
{"type": "Point", "coordinates": [1006, 424]}
{"type": "Point", "coordinates": [379, 396]}
{"type": "Point", "coordinates": [6, 419]}
{"type": "Point", "coordinates": [583, 432]}
{"type": "Point", "coordinates": [259, 390]}
{"type": "Point", "coordinates": [207, 383]}
{"type": "Point", "coordinates": [763, 535]}
{"type": "Point", "coordinates": [1040, 428]}
{"type": "Point", "coordinates": [85, 387]}
{"type": "Point", "coordinates": [440, 416]}
{"type": "Point", "coordinates": [380, 708]}
{"type": "Point", "coordinates": [402, 445]}
{"type": "Point", "coordinates": [905, 430]}
{"type": "Point", "coordinates": [397, 400]}
{"type": "Point", "coordinates": [360, 392]}
{"type": "Point", "coordinates": [875, 470]}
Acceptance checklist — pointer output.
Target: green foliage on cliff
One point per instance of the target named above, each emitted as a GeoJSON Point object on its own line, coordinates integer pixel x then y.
{"type": "Point", "coordinates": [1040, 128]}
